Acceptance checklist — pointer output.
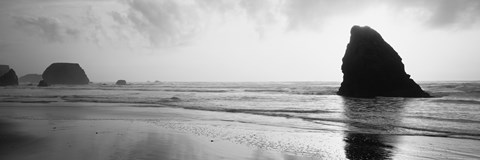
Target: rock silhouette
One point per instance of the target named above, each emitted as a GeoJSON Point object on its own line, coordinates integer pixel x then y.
{"type": "Point", "coordinates": [42, 83]}
{"type": "Point", "coordinates": [121, 82]}
{"type": "Point", "coordinates": [371, 67]}
{"type": "Point", "coordinates": [30, 78]}
{"type": "Point", "coordinates": [9, 79]}
{"type": "Point", "coordinates": [65, 73]}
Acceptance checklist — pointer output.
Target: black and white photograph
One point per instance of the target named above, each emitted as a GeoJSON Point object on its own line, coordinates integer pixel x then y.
{"type": "Point", "coordinates": [239, 79]}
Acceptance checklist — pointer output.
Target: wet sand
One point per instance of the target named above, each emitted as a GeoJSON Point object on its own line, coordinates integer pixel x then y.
{"type": "Point", "coordinates": [125, 131]}
{"type": "Point", "coordinates": [113, 139]}
{"type": "Point", "coordinates": [33, 131]}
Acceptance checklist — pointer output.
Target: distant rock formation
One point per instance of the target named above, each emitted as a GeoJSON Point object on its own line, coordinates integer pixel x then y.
{"type": "Point", "coordinates": [121, 82]}
{"type": "Point", "coordinates": [371, 67]}
{"type": "Point", "coordinates": [30, 78]}
{"type": "Point", "coordinates": [4, 69]}
{"type": "Point", "coordinates": [65, 73]}
{"type": "Point", "coordinates": [9, 79]}
{"type": "Point", "coordinates": [42, 83]}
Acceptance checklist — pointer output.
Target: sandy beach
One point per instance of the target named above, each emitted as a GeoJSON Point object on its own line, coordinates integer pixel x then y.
{"type": "Point", "coordinates": [75, 131]}
{"type": "Point", "coordinates": [126, 131]}
{"type": "Point", "coordinates": [239, 80]}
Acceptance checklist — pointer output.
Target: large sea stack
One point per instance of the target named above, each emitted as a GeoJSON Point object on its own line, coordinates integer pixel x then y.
{"type": "Point", "coordinates": [371, 67]}
{"type": "Point", "coordinates": [9, 79]}
{"type": "Point", "coordinates": [65, 73]}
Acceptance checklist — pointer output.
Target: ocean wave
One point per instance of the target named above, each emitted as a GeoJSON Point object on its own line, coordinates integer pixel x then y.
{"type": "Point", "coordinates": [379, 128]}
{"type": "Point", "coordinates": [109, 99]}
{"type": "Point", "coordinates": [451, 134]}
{"type": "Point", "coordinates": [445, 119]}
{"type": "Point", "coordinates": [30, 96]}
{"type": "Point", "coordinates": [267, 90]}
{"type": "Point", "coordinates": [26, 101]}
{"type": "Point", "coordinates": [29, 99]}
{"type": "Point", "coordinates": [278, 111]}
{"type": "Point", "coordinates": [285, 100]}
{"type": "Point", "coordinates": [293, 91]}
{"type": "Point", "coordinates": [196, 90]}
{"type": "Point", "coordinates": [371, 126]}
{"type": "Point", "coordinates": [457, 101]}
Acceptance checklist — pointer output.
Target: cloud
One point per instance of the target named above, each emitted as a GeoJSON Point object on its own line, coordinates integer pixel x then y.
{"type": "Point", "coordinates": [264, 13]}
{"type": "Point", "coordinates": [307, 14]}
{"type": "Point", "coordinates": [60, 21]}
{"type": "Point", "coordinates": [94, 27]}
{"type": "Point", "coordinates": [312, 14]}
{"type": "Point", "coordinates": [443, 13]}
{"type": "Point", "coordinates": [221, 6]}
{"type": "Point", "coordinates": [117, 17]}
{"type": "Point", "coordinates": [164, 23]}
{"type": "Point", "coordinates": [49, 28]}
{"type": "Point", "coordinates": [83, 23]}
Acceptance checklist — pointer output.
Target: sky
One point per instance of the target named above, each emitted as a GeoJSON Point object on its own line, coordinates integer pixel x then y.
{"type": "Point", "coordinates": [235, 40]}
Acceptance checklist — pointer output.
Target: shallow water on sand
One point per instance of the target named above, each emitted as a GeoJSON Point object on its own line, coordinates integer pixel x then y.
{"type": "Point", "coordinates": [43, 137]}
{"type": "Point", "coordinates": [303, 118]}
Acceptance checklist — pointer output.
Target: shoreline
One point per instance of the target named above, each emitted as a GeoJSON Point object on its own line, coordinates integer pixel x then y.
{"type": "Point", "coordinates": [117, 139]}
{"type": "Point", "coordinates": [31, 137]}
{"type": "Point", "coordinates": [124, 131]}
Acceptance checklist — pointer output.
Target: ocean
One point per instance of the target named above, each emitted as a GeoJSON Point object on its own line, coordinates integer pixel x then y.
{"type": "Point", "coordinates": [303, 118]}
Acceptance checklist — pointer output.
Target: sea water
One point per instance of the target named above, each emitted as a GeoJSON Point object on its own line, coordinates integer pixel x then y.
{"type": "Point", "coordinates": [305, 118]}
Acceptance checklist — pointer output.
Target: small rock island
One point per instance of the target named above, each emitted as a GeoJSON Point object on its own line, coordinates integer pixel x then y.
{"type": "Point", "coordinates": [8, 77]}
{"type": "Point", "coordinates": [121, 82]}
{"type": "Point", "coordinates": [371, 67]}
{"type": "Point", "coordinates": [42, 83]}
{"type": "Point", "coordinates": [65, 73]}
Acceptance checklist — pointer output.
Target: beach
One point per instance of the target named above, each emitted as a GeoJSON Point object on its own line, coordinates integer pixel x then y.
{"type": "Point", "coordinates": [239, 80]}
{"type": "Point", "coordinates": [235, 121]}
{"type": "Point", "coordinates": [47, 132]}
{"type": "Point", "coordinates": [113, 131]}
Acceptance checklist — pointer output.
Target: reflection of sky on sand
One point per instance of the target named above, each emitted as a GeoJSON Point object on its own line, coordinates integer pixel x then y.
{"type": "Point", "coordinates": [110, 132]}
{"type": "Point", "coordinates": [369, 120]}
{"type": "Point", "coordinates": [119, 139]}
{"type": "Point", "coordinates": [424, 147]}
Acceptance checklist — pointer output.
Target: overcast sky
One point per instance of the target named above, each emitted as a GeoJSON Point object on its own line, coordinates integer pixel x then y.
{"type": "Point", "coordinates": [235, 40]}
